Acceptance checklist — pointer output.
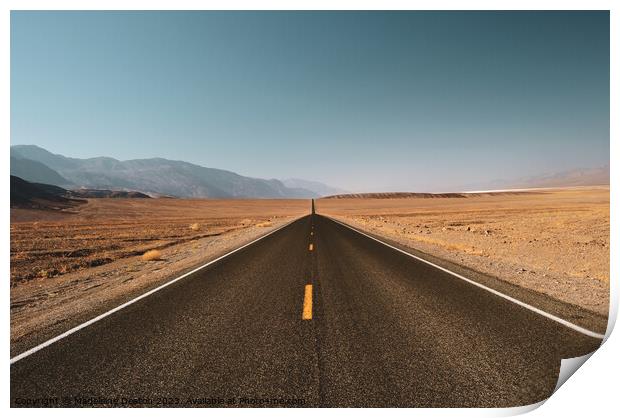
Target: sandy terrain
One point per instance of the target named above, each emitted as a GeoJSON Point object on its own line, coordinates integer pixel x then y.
{"type": "Point", "coordinates": [555, 242]}
{"type": "Point", "coordinates": [67, 267]}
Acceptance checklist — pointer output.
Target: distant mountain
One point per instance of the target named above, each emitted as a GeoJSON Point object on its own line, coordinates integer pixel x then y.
{"type": "Point", "coordinates": [320, 189]}
{"type": "Point", "coordinates": [595, 176]}
{"type": "Point", "coordinates": [413, 195]}
{"type": "Point", "coordinates": [35, 171]}
{"type": "Point", "coordinates": [158, 176]}
{"type": "Point", "coordinates": [578, 177]}
{"type": "Point", "coordinates": [27, 195]}
{"type": "Point", "coordinates": [396, 195]}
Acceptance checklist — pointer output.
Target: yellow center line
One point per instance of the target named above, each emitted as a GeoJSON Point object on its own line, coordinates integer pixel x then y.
{"type": "Point", "coordinates": [311, 233]}
{"type": "Point", "coordinates": [307, 313]}
{"type": "Point", "coordinates": [311, 247]}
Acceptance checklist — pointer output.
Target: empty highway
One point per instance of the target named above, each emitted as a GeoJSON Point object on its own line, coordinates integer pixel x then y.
{"type": "Point", "coordinates": [314, 314]}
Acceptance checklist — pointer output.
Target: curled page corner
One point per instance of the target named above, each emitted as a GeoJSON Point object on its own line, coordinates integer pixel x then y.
{"type": "Point", "coordinates": [519, 410]}
{"type": "Point", "coordinates": [611, 322]}
{"type": "Point", "coordinates": [570, 366]}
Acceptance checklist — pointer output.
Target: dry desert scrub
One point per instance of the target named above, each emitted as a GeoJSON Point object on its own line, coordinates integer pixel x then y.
{"type": "Point", "coordinates": [195, 227]}
{"type": "Point", "coordinates": [151, 255]}
{"type": "Point", "coordinates": [49, 244]}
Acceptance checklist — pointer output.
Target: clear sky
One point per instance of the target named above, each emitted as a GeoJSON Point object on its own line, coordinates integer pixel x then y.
{"type": "Point", "coordinates": [417, 101]}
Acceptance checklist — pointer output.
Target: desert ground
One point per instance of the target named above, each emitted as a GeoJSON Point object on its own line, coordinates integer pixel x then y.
{"type": "Point", "coordinates": [555, 242]}
{"type": "Point", "coordinates": [67, 266]}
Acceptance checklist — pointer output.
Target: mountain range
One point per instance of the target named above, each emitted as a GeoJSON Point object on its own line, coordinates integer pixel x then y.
{"type": "Point", "coordinates": [162, 177]}
{"type": "Point", "coordinates": [593, 176]}
{"type": "Point", "coordinates": [154, 176]}
{"type": "Point", "coordinates": [314, 186]}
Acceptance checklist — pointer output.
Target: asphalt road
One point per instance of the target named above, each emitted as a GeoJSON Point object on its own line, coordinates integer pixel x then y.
{"type": "Point", "coordinates": [376, 328]}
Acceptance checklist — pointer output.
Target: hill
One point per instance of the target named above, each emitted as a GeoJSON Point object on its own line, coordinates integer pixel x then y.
{"type": "Point", "coordinates": [106, 194]}
{"type": "Point", "coordinates": [26, 195]}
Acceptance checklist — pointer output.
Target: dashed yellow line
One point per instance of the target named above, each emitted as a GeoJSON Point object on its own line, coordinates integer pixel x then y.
{"type": "Point", "coordinates": [307, 313]}
{"type": "Point", "coordinates": [311, 233]}
{"type": "Point", "coordinates": [311, 247]}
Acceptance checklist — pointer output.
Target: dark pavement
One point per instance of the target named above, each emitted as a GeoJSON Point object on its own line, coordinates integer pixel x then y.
{"type": "Point", "coordinates": [386, 330]}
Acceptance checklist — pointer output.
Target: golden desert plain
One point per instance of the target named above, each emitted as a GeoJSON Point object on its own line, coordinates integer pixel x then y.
{"type": "Point", "coordinates": [551, 241]}
{"type": "Point", "coordinates": [69, 265]}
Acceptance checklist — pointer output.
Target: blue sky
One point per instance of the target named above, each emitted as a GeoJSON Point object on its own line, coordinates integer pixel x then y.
{"type": "Point", "coordinates": [418, 101]}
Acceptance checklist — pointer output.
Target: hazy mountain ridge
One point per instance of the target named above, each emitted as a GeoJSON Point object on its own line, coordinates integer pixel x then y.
{"type": "Point", "coordinates": [577, 177]}
{"type": "Point", "coordinates": [593, 176]}
{"type": "Point", "coordinates": [154, 175]}
{"type": "Point", "coordinates": [319, 188]}
{"type": "Point", "coordinates": [36, 171]}
{"type": "Point", "coordinates": [411, 195]}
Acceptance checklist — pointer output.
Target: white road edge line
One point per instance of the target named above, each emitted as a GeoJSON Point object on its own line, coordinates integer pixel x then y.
{"type": "Point", "coordinates": [547, 315]}
{"type": "Point", "coordinates": [132, 301]}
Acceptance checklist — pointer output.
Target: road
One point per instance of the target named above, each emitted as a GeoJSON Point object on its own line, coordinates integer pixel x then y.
{"type": "Point", "coordinates": [314, 314]}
